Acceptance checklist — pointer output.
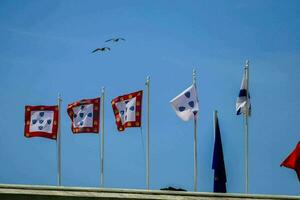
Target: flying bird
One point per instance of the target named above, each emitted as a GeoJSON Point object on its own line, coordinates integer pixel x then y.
{"type": "Point", "coordinates": [115, 40]}
{"type": "Point", "coordinates": [101, 49]}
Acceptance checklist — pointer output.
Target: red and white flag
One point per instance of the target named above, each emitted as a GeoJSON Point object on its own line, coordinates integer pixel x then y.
{"type": "Point", "coordinates": [84, 115]}
{"type": "Point", "coordinates": [41, 121]}
{"type": "Point", "coordinates": [128, 110]}
{"type": "Point", "coordinates": [293, 160]}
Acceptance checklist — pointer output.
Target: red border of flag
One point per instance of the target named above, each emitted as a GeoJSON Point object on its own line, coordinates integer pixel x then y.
{"type": "Point", "coordinates": [29, 134]}
{"type": "Point", "coordinates": [138, 110]}
{"type": "Point", "coordinates": [96, 112]}
{"type": "Point", "coordinates": [293, 160]}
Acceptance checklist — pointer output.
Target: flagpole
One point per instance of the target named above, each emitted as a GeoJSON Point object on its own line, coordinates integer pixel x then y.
{"type": "Point", "coordinates": [148, 135]}
{"type": "Point", "coordinates": [58, 142]}
{"type": "Point", "coordinates": [102, 140]}
{"type": "Point", "coordinates": [246, 115]}
{"type": "Point", "coordinates": [195, 143]}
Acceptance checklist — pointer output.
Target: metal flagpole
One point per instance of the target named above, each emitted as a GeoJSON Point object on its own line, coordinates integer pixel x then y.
{"type": "Point", "coordinates": [102, 140]}
{"type": "Point", "coordinates": [58, 142]}
{"type": "Point", "coordinates": [148, 134]}
{"type": "Point", "coordinates": [246, 115]}
{"type": "Point", "coordinates": [195, 143]}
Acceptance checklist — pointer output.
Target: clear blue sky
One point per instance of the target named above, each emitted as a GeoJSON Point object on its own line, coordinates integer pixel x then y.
{"type": "Point", "coordinates": [45, 48]}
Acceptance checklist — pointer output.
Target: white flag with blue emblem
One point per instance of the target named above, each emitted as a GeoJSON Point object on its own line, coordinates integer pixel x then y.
{"type": "Point", "coordinates": [186, 104]}
{"type": "Point", "coordinates": [243, 104]}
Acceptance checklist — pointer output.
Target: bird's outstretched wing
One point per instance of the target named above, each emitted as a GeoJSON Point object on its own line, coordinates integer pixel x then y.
{"type": "Point", "coordinates": [98, 49]}
{"type": "Point", "coordinates": [115, 39]}
{"type": "Point", "coordinates": [101, 49]}
{"type": "Point", "coordinates": [112, 39]}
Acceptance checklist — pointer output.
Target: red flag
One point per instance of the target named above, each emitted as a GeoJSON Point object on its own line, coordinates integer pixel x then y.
{"type": "Point", "coordinates": [84, 115]}
{"type": "Point", "coordinates": [41, 121]}
{"type": "Point", "coordinates": [293, 160]}
{"type": "Point", "coordinates": [128, 110]}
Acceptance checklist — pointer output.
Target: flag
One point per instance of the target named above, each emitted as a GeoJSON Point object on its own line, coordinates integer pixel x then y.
{"type": "Point", "coordinates": [128, 110]}
{"type": "Point", "coordinates": [84, 115]}
{"type": "Point", "coordinates": [41, 121]}
{"type": "Point", "coordinates": [293, 160]}
{"type": "Point", "coordinates": [186, 104]}
{"type": "Point", "coordinates": [218, 162]}
{"type": "Point", "coordinates": [243, 104]}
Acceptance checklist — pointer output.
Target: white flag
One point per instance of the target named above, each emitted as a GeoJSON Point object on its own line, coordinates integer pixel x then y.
{"type": "Point", "coordinates": [243, 104]}
{"type": "Point", "coordinates": [186, 104]}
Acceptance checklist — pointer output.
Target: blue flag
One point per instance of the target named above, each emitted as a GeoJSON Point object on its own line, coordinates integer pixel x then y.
{"type": "Point", "coordinates": [218, 162]}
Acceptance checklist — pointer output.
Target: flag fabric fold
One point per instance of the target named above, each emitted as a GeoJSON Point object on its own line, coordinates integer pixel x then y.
{"type": "Point", "coordinates": [243, 104]}
{"type": "Point", "coordinates": [41, 121]}
{"type": "Point", "coordinates": [84, 115]}
{"type": "Point", "coordinates": [293, 160]}
{"type": "Point", "coordinates": [128, 110]}
{"type": "Point", "coordinates": [186, 104]}
{"type": "Point", "coordinates": [218, 164]}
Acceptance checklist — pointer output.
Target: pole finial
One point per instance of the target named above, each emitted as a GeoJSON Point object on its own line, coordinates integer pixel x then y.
{"type": "Point", "coordinates": [103, 90]}
{"type": "Point", "coordinates": [147, 80]}
{"type": "Point", "coordinates": [194, 76]}
{"type": "Point", "coordinates": [215, 114]}
{"type": "Point", "coordinates": [59, 97]}
{"type": "Point", "coordinates": [247, 63]}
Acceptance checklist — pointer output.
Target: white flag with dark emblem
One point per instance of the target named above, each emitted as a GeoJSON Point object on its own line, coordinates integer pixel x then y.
{"type": "Point", "coordinates": [243, 104]}
{"type": "Point", "coordinates": [186, 104]}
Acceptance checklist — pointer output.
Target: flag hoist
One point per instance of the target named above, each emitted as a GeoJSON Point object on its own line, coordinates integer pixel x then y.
{"type": "Point", "coordinates": [195, 137]}
{"type": "Point", "coordinates": [102, 140]}
{"type": "Point", "coordinates": [44, 121]}
{"type": "Point", "coordinates": [148, 134]}
{"type": "Point", "coordinates": [58, 142]}
{"type": "Point", "coordinates": [128, 114]}
{"type": "Point", "coordinates": [85, 117]}
{"type": "Point", "coordinates": [243, 105]}
{"type": "Point", "coordinates": [186, 106]}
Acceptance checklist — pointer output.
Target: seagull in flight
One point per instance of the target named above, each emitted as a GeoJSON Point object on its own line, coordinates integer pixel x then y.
{"type": "Point", "coordinates": [115, 39]}
{"type": "Point", "coordinates": [101, 49]}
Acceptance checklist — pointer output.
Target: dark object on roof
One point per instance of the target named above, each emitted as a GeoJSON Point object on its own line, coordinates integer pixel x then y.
{"type": "Point", "coordinates": [173, 189]}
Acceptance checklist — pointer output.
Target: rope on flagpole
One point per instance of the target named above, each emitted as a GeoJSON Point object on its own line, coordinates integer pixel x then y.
{"type": "Point", "coordinates": [195, 142]}
{"type": "Point", "coordinates": [58, 142]}
{"type": "Point", "coordinates": [102, 140]}
{"type": "Point", "coordinates": [148, 134]}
